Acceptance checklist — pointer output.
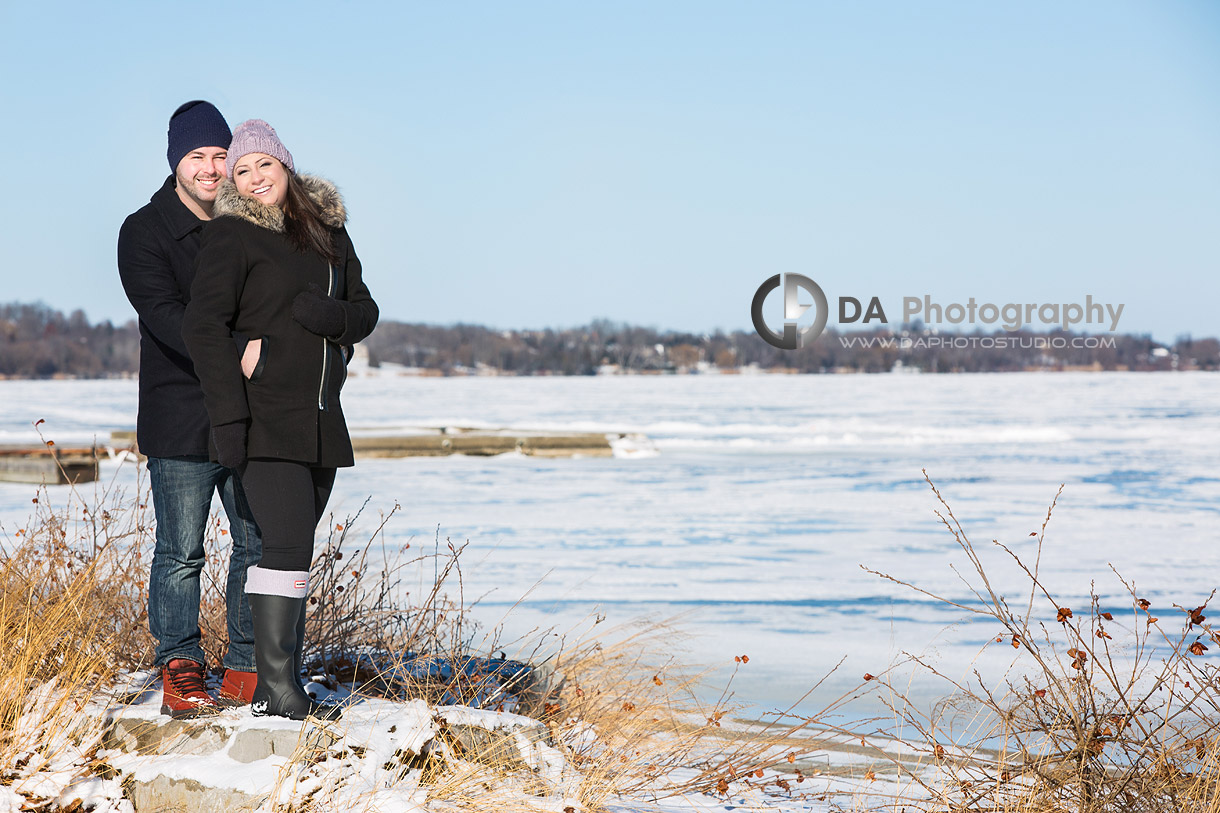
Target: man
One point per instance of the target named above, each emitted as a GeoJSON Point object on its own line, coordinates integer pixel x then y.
{"type": "Point", "coordinates": [157, 248]}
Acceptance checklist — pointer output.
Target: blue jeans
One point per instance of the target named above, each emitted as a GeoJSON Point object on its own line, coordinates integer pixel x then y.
{"type": "Point", "coordinates": [182, 500]}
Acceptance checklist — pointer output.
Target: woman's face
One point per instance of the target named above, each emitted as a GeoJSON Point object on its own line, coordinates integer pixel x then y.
{"type": "Point", "coordinates": [261, 177]}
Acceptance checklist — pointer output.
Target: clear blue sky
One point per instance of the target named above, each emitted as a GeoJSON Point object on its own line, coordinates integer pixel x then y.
{"type": "Point", "coordinates": [541, 164]}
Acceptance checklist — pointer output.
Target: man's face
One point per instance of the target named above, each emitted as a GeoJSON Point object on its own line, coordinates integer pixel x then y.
{"type": "Point", "coordinates": [199, 174]}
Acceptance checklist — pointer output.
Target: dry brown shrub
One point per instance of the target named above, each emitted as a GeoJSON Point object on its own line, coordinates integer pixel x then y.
{"type": "Point", "coordinates": [1103, 711]}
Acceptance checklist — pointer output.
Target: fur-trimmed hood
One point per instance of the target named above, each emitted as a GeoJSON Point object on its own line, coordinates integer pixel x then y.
{"type": "Point", "coordinates": [320, 190]}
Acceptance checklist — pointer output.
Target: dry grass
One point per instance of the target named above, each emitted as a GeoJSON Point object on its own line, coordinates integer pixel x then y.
{"type": "Point", "coordinates": [71, 616]}
{"type": "Point", "coordinates": [628, 723]}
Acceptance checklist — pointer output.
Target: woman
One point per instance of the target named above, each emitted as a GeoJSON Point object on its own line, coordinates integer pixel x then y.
{"type": "Point", "coordinates": [276, 264]}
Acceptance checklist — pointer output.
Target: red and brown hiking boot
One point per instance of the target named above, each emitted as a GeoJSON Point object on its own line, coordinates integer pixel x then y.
{"type": "Point", "coordinates": [237, 689]}
{"type": "Point", "coordinates": [183, 692]}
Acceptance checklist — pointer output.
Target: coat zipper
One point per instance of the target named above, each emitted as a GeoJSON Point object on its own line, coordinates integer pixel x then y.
{"type": "Point", "coordinates": [330, 284]}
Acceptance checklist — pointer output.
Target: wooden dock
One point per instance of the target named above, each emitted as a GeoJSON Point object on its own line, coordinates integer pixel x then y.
{"type": "Point", "coordinates": [48, 464]}
{"type": "Point", "coordinates": [54, 465]}
{"type": "Point", "coordinates": [449, 440]}
{"type": "Point", "coordinates": [438, 441]}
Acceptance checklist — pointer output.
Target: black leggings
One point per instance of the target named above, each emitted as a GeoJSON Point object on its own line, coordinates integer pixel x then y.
{"type": "Point", "coordinates": [287, 500]}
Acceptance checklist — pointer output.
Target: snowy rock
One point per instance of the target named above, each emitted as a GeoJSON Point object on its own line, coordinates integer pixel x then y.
{"type": "Point", "coordinates": [166, 793]}
{"type": "Point", "coordinates": [252, 744]}
{"type": "Point", "coordinates": [235, 761]}
{"type": "Point", "coordinates": [510, 743]}
{"type": "Point", "coordinates": [165, 736]}
{"type": "Point", "coordinates": [227, 762]}
{"type": "Point", "coordinates": [381, 754]}
{"type": "Point", "coordinates": [491, 737]}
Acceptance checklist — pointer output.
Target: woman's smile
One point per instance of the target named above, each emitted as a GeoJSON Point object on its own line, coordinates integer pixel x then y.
{"type": "Point", "coordinates": [261, 177]}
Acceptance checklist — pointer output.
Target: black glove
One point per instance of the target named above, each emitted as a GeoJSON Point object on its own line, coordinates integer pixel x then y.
{"type": "Point", "coordinates": [230, 442]}
{"type": "Point", "coordinates": [319, 313]}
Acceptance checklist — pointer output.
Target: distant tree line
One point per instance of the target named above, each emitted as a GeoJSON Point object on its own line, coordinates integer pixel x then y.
{"type": "Point", "coordinates": [610, 346]}
{"type": "Point", "coordinates": [38, 342]}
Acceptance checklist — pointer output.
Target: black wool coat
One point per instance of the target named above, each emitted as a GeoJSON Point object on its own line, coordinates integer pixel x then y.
{"type": "Point", "coordinates": [157, 248]}
{"type": "Point", "coordinates": [247, 274]}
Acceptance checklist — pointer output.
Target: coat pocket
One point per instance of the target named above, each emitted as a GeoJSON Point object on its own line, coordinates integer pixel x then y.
{"type": "Point", "coordinates": [341, 362]}
{"type": "Point", "coordinates": [261, 364]}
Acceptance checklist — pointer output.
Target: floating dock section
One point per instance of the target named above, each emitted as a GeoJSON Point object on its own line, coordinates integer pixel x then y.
{"type": "Point", "coordinates": [53, 465]}
{"type": "Point", "coordinates": [48, 464]}
{"type": "Point", "coordinates": [446, 440]}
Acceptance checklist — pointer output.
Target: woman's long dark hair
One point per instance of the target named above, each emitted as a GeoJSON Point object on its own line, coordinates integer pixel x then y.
{"type": "Point", "coordinates": [303, 222]}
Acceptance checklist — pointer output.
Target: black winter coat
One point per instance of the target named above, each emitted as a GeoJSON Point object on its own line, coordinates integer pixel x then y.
{"type": "Point", "coordinates": [247, 274]}
{"type": "Point", "coordinates": [157, 248]}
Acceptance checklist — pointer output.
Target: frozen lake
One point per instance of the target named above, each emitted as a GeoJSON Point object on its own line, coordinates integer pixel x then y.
{"type": "Point", "coordinates": [766, 494]}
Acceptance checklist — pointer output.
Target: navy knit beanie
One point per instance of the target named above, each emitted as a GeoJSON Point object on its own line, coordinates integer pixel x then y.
{"type": "Point", "coordinates": [196, 124]}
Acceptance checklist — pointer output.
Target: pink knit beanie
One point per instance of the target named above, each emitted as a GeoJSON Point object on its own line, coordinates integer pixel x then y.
{"type": "Point", "coordinates": [256, 135]}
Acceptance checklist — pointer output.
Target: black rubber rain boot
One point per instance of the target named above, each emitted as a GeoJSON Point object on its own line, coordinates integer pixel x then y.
{"type": "Point", "coordinates": [298, 654]}
{"type": "Point", "coordinates": [279, 690]}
